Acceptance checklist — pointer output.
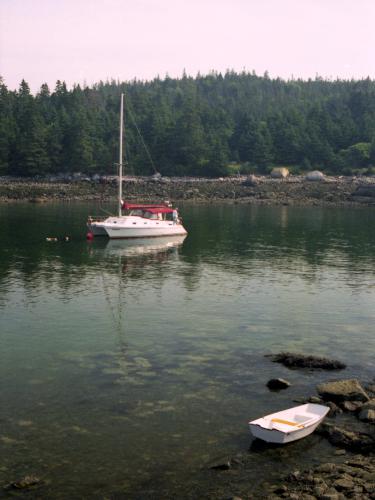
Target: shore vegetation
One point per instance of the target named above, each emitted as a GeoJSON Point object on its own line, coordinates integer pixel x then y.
{"type": "Point", "coordinates": [211, 125]}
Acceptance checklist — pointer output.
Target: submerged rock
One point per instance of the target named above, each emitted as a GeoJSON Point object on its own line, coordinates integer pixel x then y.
{"type": "Point", "coordinates": [222, 466]}
{"type": "Point", "coordinates": [342, 390]}
{"type": "Point", "coordinates": [296, 360]}
{"type": "Point", "coordinates": [25, 483]}
{"type": "Point", "coordinates": [276, 384]}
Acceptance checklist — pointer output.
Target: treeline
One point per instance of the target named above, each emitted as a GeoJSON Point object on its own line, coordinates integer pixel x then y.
{"type": "Point", "coordinates": [209, 125]}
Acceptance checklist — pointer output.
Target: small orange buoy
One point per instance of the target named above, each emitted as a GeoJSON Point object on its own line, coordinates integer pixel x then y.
{"type": "Point", "coordinates": [90, 236]}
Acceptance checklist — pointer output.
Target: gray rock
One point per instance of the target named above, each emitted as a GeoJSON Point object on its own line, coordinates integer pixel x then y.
{"type": "Point", "coordinates": [276, 384]}
{"type": "Point", "coordinates": [315, 175]}
{"type": "Point", "coordinates": [342, 390]}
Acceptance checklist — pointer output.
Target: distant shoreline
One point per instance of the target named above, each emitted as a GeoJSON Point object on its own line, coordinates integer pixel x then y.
{"type": "Point", "coordinates": [294, 190]}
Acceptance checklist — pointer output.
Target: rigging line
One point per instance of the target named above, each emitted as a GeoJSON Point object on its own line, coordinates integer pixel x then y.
{"type": "Point", "coordinates": [141, 137]}
{"type": "Point", "coordinates": [105, 211]}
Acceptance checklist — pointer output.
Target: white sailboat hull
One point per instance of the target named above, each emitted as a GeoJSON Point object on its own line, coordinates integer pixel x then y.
{"type": "Point", "coordinates": [97, 229]}
{"type": "Point", "coordinates": [289, 425]}
{"type": "Point", "coordinates": [135, 227]}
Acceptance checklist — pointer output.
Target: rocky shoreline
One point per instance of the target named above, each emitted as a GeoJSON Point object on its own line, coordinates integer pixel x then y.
{"type": "Point", "coordinates": [349, 472]}
{"type": "Point", "coordinates": [293, 190]}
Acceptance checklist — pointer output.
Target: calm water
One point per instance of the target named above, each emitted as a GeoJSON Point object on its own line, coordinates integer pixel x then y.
{"type": "Point", "coordinates": [126, 368]}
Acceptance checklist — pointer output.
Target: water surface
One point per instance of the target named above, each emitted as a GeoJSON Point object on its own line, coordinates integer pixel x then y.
{"type": "Point", "coordinates": [126, 368]}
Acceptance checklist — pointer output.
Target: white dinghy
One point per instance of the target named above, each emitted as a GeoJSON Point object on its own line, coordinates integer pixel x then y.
{"type": "Point", "coordinates": [289, 425]}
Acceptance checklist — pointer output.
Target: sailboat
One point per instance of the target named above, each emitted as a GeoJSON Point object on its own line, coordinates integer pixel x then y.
{"type": "Point", "coordinates": [136, 220]}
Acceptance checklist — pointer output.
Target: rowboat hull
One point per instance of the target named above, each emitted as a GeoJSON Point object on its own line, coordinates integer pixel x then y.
{"type": "Point", "coordinates": [275, 436]}
{"type": "Point", "coordinates": [288, 425]}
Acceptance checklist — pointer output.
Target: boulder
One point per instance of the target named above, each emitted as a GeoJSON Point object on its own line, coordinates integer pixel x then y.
{"type": "Point", "coordinates": [279, 173]}
{"type": "Point", "coordinates": [296, 360]}
{"type": "Point", "coordinates": [276, 384]}
{"type": "Point", "coordinates": [315, 175]}
{"type": "Point", "coordinates": [342, 390]}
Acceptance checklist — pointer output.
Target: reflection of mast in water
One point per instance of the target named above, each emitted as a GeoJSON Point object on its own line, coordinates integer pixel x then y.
{"type": "Point", "coordinates": [116, 317]}
{"type": "Point", "coordinates": [131, 254]}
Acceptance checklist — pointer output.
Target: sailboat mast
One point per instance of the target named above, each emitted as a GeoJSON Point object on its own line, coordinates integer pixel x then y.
{"type": "Point", "coordinates": [120, 157]}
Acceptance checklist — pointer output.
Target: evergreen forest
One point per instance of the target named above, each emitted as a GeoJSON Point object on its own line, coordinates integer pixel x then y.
{"type": "Point", "coordinates": [211, 125]}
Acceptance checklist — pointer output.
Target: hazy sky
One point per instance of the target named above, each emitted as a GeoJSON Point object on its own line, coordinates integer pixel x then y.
{"type": "Point", "coordinates": [90, 40]}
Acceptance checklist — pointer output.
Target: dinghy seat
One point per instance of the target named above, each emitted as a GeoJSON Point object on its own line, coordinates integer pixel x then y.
{"type": "Point", "coordinates": [286, 422]}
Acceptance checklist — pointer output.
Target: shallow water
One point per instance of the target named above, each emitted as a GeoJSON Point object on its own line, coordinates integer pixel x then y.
{"type": "Point", "coordinates": [126, 368]}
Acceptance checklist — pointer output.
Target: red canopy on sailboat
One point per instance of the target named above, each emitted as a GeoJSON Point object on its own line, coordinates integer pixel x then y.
{"type": "Point", "coordinates": [139, 206]}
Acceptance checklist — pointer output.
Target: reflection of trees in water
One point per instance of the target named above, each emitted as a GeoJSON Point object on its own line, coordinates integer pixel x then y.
{"type": "Point", "coordinates": [235, 238]}
{"type": "Point", "coordinates": [287, 233]}
{"type": "Point", "coordinates": [71, 272]}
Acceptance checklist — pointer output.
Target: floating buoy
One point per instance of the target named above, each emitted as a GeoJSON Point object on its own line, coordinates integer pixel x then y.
{"type": "Point", "coordinates": [90, 236]}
